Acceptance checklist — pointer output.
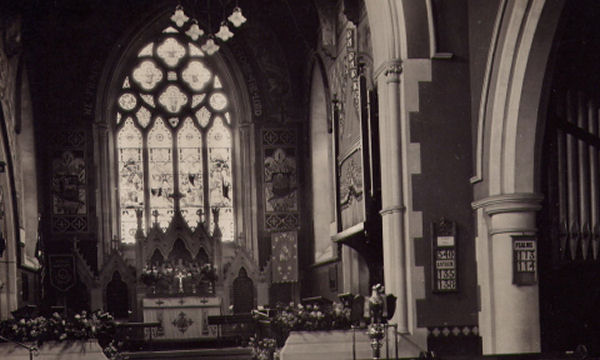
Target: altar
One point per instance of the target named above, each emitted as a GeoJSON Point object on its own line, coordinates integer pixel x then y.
{"type": "Point", "coordinates": [181, 318]}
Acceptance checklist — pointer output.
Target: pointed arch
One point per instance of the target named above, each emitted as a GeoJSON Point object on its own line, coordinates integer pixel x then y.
{"type": "Point", "coordinates": [215, 93]}
{"type": "Point", "coordinates": [512, 101]}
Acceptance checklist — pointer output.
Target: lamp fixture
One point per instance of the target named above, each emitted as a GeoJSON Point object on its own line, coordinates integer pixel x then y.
{"type": "Point", "coordinates": [194, 32]}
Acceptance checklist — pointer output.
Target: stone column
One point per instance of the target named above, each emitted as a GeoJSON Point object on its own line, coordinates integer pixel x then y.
{"type": "Point", "coordinates": [393, 209]}
{"type": "Point", "coordinates": [104, 190]}
{"type": "Point", "coordinates": [509, 318]}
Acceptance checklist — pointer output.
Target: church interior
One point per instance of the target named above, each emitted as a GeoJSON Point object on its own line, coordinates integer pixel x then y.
{"type": "Point", "coordinates": [190, 166]}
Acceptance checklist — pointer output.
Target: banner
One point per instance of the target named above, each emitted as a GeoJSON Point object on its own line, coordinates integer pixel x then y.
{"type": "Point", "coordinates": [62, 271]}
{"type": "Point", "coordinates": [284, 256]}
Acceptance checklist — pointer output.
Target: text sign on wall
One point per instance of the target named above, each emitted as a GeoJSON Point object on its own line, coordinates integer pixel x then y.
{"type": "Point", "coordinates": [445, 267]}
{"type": "Point", "coordinates": [524, 260]}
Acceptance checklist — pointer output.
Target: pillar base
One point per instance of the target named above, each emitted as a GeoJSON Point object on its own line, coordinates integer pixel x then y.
{"type": "Point", "coordinates": [509, 319]}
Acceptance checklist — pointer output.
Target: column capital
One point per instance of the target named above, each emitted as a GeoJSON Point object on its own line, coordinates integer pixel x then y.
{"type": "Point", "coordinates": [509, 203]}
{"type": "Point", "coordinates": [391, 69]}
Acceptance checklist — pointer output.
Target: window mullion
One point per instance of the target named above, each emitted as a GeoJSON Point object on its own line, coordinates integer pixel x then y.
{"type": "Point", "coordinates": [146, 172]}
{"type": "Point", "coordinates": [176, 193]}
{"type": "Point", "coordinates": [205, 177]}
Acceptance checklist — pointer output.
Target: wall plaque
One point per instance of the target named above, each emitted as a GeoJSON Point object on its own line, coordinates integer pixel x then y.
{"type": "Point", "coordinates": [445, 267]}
{"type": "Point", "coordinates": [524, 260]}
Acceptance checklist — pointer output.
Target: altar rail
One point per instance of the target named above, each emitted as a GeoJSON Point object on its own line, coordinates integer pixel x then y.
{"type": "Point", "coordinates": [239, 327]}
{"type": "Point", "coordinates": [133, 333]}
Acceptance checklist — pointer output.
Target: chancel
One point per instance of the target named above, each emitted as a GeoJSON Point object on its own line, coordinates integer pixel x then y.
{"type": "Point", "coordinates": [316, 179]}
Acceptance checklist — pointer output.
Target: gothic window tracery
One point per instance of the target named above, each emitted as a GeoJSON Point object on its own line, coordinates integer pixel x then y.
{"type": "Point", "coordinates": [174, 138]}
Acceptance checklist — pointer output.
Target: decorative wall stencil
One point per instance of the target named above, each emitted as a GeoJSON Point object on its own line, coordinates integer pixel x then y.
{"type": "Point", "coordinates": [69, 183]}
{"type": "Point", "coordinates": [62, 271]}
{"type": "Point", "coordinates": [275, 81]}
{"type": "Point", "coordinates": [281, 221]}
{"type": "Point", "coordinates": [69, 195]}
{"type": "Point", "coordinates": [457, 330]}
{"type": "Point", "coordinates": [284, 256]}
{"type": "Point", "coordinates": [280, 179]}
{"type": "Point", "coordinates": [273, 137]}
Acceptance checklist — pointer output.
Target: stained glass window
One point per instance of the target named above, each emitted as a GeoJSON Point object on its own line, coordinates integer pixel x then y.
{"type": "Point", "coordinates": [219, 180]}
{"type": "Point", "coordinates": [189, 147]}
{"type": "Point", "coordinates": [173, 138]}
{"type": "Point", "coordinates": [160, 171]}
{"type": "Point", "coordinates": [131, 177]}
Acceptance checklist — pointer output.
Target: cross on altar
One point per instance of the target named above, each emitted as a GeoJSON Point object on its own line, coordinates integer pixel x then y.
{"type": "Point", "coordinates": [180, 277]}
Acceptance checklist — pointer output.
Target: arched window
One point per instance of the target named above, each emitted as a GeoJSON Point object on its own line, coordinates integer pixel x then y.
{"type": "Point", "coordinates": [173, 137]}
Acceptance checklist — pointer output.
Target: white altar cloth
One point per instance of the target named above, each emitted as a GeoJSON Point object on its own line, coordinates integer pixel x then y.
{"type": "Point", "coordinates": [182, 318]}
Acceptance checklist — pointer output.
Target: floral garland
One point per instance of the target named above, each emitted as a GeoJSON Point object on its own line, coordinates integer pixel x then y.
{"type": "Point", "coordinates": [311, 318]}
{"type": "Point", "coordinates": [56, 327]}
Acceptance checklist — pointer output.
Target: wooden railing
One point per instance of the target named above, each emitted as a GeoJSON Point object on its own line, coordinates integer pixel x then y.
{"type": "Point", "coordinates": [133, 333]}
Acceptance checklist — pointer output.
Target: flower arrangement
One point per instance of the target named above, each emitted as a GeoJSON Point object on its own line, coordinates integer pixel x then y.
{"type": "Point", "coordinates": [311, 317]}
{"type": "Point", "coordinates": [263, 349]}
{"type": "Point", "coordinates": [56, 327]}
{"type": "Point", "coordinates": [168, 279]}
{"type": "Point", "coordinates": [296, 317]}
{"type": "Point", "coordinates": [152, 274]}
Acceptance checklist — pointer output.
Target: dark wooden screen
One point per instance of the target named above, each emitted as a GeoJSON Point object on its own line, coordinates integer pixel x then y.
{"type": "Point", "coordinates": [243, 293]}
{"type": "Point", "coordinates": [117, 297]}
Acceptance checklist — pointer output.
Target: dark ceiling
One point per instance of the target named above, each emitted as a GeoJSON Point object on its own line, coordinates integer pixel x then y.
{"type": "Point", "coordinates": [62, 39]}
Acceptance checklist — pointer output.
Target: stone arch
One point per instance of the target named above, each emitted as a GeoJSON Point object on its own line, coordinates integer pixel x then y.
{"type": "Point", "coordinates": [232, 77]}
{"type": "Point", "coordinates": [507, 155]}
{"type": "Point", "coordinates": [400, 29]}
{"type": "Point", "coordinates": [512, 107]}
